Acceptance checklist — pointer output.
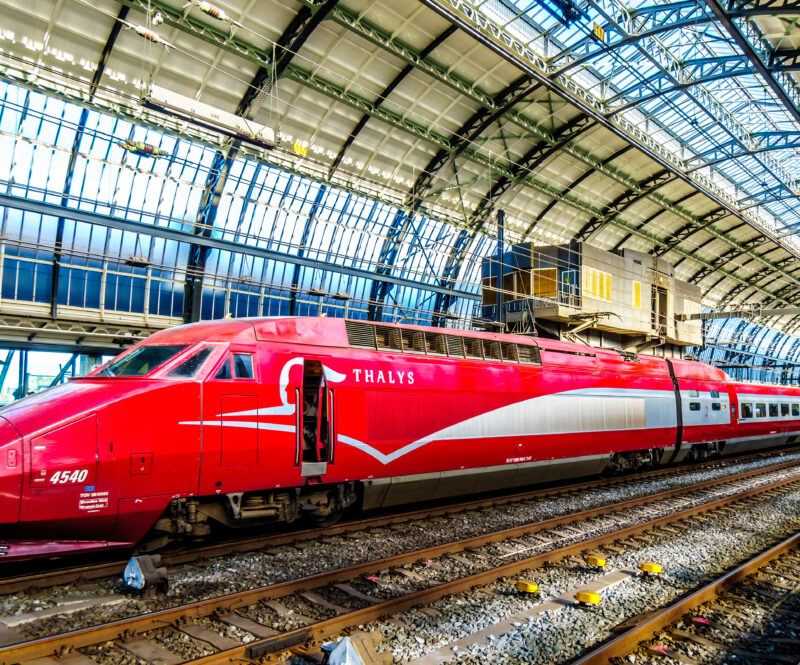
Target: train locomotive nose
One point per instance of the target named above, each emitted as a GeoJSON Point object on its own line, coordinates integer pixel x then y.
{"type": "Point", "coordinates": [10, 475]}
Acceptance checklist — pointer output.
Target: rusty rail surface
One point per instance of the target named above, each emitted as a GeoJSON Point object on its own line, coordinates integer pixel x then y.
{"type": "Point", "coordinates": [628, 641]}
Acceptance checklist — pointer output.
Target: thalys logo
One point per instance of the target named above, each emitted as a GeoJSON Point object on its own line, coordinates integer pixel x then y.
{"type": "Point", "coordinates": [252, 419]}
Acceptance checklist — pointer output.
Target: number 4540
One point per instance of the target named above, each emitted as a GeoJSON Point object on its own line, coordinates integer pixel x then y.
{"type": "Point", "coordinates": [64, 477]}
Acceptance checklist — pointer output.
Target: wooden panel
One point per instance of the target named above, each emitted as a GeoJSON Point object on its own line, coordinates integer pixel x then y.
{"type": "Point", "coordinates": [545, 282]}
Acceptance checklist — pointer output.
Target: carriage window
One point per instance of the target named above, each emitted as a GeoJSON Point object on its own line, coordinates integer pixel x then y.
{"type": "Point", "coordinates": [715, 394]}
{"type": "Point", "coordinates": [224, 372]}
{"type": "Point", "coordinates": [189, 367]}
{"type": "Point", "coordinates": [773, 410]}
{"type": "Point", "coordinates": [243, 364]}
{"type": "Point", "coordinates": [784, 409]}
{"type": "Point", "coordinates": [694, 393]}
{"type": "Point", "coordinates": [796, 409]}
{"type": "Point", "coordinates": [747, 410]}
{"type": "Point", "coordinates": [715, 406]}
{"type": "Point", "coordinates": [694, 406]}
{"type": "Point", "coordinates": [761, 410]}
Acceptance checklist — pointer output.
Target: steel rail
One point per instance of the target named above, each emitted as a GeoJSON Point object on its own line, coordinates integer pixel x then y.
{"type": "Point", "coordinates": [82, 573]}
{"type": "Point", "coordinates": [47, 646]}
{"type": "Point", "coordinates": [624, 644]}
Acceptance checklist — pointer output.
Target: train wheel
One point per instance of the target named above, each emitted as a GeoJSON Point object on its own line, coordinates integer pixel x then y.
{"type": "Point", "coordinates": [329, 519]}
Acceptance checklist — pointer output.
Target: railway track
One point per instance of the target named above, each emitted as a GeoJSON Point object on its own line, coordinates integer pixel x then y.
{"type": "Point", "coordinates": [80, 572]}
{"type": "Point", "coordinates": [744, 613]}
{"type": "Point", "coordinates": [265, 622]}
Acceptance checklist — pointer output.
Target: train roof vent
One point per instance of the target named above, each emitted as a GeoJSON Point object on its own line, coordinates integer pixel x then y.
{"type": "Point", "coordinates": [509, 351]}
{"type": "Point", "coordinates": [412, 340]}
{"type": "Point", "coordinates": [388, 338]}
{"type": "Point", "coordinates": [628, 356]}
{"type": "Point", "coordinates": [435, 343]}
{"type": "Point", "coordinates": [360, 334]}
{"type": "Point", "coordinates": [491, 350]}
{"type": "Point", "coordinates": [474, 347]}
{"type": "Point", "coordinates": [529, 354]}
{"type": "Point", "coordinates": [455, 346]}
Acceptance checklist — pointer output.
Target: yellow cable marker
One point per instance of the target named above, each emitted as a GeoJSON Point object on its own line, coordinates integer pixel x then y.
{"type": "Point", "coordinates": [652, 568]}
{"type": "Point", "coordinates": [588, 598]}
{"type": "Point", "coordinates": [527, 586]}
{"type": "Point", "coordinates": [598, 561]}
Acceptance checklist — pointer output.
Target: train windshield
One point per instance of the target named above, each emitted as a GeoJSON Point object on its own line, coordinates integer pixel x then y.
{"type": "Point", "coordinates": [141, 361]}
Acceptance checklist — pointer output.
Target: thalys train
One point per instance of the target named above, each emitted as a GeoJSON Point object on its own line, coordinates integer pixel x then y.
{"type": "Point", "coordinates": [246, 421]}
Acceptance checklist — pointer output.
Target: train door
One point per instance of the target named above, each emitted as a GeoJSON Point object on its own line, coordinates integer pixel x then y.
{"type": "Point", "coordinates": [230, 422]}
{"type": "Point", "coordinates": [10, 473]}
{"type": "Point", "coordinates": [316, 422]}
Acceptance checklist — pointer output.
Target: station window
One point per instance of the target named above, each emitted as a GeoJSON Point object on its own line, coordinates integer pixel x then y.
{"type": "Point", "coordinates": [784, 409]}
{"type": "Point", "coordinates": [715, 406]}
{"type": "Point", "coordinates": [715, 394]}
{"type": "Point", "coordinates": [796, 409]}
{"type": "Point", "coordinates": [188, 368]}
{"type": "Point", "coordinates": [243, 364]}
{"type": "Point", "coordinates": [773, 410]}
{"type": "Point", "coordinates": [694, 406]}
{"type": "Point", "coordinates": [747, 410]}
{"type": "Point", "coordinates": [694, 393]}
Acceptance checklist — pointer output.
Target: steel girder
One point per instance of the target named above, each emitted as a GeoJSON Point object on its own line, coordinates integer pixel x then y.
{"type": "Point", "coordinates": [307, 226]}
{"type": "Point", "coordinates": [223, 40]}
{"type": "Point", "coordinates": [438, 41]}
{"type": "Point", "coordinates": [466, 134]}
{"type": "Point", "coordinates": [181, 236]}
{"type": "Point", "coordinates": [757, 142]}
{"type": "Point", "coordinates": [480, 120]}
{"type": "Point", "coordinates": [290, 42]}
{"type": "Point", "coordinates": [654, 216]}
{"type": "Point", "coordinates": [73, 155]}
{"type": "Point", "coordinates": [688, 230]}
{"type": "Point", "coordinates": [493, 36]}
{"type": "Point", "coordinates": [533, 158]}
{"type": "Point", "coordinates": [624, 201]}
{"type": "Point", "coordinates": [243, 49]}
{"type": "Point", "coordinates": [760, 55]}
{"type": "Point", "coordinates": [650, 21]}
{"type": "Point", "coordinates": [693, 72]}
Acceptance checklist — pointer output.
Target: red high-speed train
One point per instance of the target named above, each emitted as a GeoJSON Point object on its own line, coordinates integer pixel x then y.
{"type": "Point", "coordinates": [251, 420]}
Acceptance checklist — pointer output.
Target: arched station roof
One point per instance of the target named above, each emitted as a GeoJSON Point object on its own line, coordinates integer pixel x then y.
{"type": "Point", "coordinates": [401, 129]}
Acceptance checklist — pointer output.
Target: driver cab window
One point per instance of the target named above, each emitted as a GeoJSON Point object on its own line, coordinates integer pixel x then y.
{"type": "Point", "coordinates": [242, 367]}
